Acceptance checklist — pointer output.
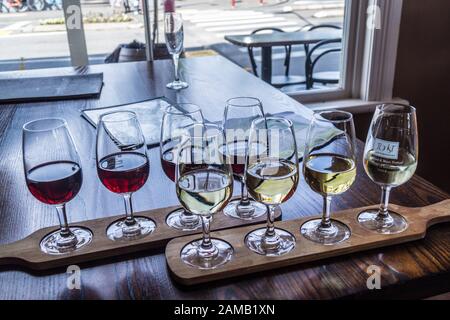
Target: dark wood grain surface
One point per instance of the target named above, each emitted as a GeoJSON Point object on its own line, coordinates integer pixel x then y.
{"type": "Point", "coordinates": [416, 269]}
{"type": "Point", "coordinates": [286, 38]}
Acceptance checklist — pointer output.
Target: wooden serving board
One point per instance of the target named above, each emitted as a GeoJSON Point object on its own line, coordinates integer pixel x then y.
{"type": "Point", "coordinates": [27, 252]}
{"type": "Point", "coordinates": [245, 261]}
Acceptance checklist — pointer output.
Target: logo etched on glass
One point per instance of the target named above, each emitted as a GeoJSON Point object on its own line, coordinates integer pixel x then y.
{"type": "Point", "coordinates": [386, 149]}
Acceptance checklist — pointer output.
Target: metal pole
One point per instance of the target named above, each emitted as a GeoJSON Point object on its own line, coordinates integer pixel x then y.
{"type": "Point", "coordinates": [148, 34]}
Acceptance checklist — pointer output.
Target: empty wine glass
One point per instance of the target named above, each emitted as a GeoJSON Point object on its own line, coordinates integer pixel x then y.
{"type": "Point", "coordinates": [204, 187]}
{"type": "Point", "coordinates": [329, 168]}
{"type": "Point", "coordinates": [239, 115]}
{"type": "Point", "coordinates": [173, 31]}
{"type": "Point", "coordinates": [123, 168]}
{"type": "Point", "coordinates": [272, 177]}
{"type": "Point", "coordinates": [390, 160]}
{"type": "Point", "coordinates": [53, 175]}
{"type": "Point", "coordinates": [176, 120]}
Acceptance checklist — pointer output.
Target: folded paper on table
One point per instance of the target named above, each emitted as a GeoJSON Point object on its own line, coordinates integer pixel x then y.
{"type": "Point", "coordinates": [149, 114]}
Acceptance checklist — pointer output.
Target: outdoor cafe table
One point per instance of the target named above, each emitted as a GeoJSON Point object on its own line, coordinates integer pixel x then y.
{"type": "Point", "coordinates": [415, 269]}
{"type": "Point", "coordinates": [266, 41]}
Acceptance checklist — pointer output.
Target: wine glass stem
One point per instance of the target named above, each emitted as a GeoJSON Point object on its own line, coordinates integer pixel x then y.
{"type": "Point", "coordinates": [62, 217]}
{"type": "Point", "coordinates": [385, 192]}
{"type": "Point", "coordinates": [176, 58]}
{"type": "Point", "coordinates": [129, 221]}
{"type": "Point", "coordinates": [244, 193]}
{"type": "Point", "coordinates": [326, 217]}
{"type": "Point", "coordinates": [270, 231]}
{"type": "Point", "coordinates": [206, 249]}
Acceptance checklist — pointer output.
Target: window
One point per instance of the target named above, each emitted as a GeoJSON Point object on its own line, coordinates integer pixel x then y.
{"type": "Point", "coordinates": [33, 35]}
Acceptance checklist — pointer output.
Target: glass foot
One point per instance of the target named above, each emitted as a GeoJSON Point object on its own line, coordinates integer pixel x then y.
{"type": "Point", "coordinates": [391, 224]}
{"type": "Point", "coordinates": [179, 220]}
{"type": "Point", "coordinates": [119, 230]}
{"type": "Point", "coordinates": [55, 244]}
{"type": "Point", "coordinates": [177, 85]}
{"type": "Point", "coordinates": [335, 233]}
{"type": "Point", "coordinates": [220, 254]}
{"type": "Point", "coordinates": [282, 243]}
{"type": "Point", "coordinates": [245, 212]}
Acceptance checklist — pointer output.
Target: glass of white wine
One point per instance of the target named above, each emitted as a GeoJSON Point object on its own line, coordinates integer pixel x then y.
{"type": "Point", "coordinates": [329, 168]}
{"type": "Point", "coordinates": [390, 160]}
{"type": "Point", "coordinates": [204, 185]}
{"type": "Point", "coordinates": [271, 176]}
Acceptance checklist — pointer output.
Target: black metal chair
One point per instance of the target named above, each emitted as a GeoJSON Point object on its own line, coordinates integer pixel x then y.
{"type": "Point", "coordinates": [316, 27]}
{"type": "Point", "coordinates": [282, 80]}
{"type": "Point", "coordinates": [325, 77]}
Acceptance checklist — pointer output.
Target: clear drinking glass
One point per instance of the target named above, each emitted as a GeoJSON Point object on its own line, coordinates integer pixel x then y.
{"type": "Point", "coordinates": [173, 31]}
{"type": "Point", "coordinates": [54, 176]}
{"type": "Point", "coordinates": [390, 160]}
{"type": "Point", "coordinates": [123, 168]}
{"type": "Point", "coordinates": [271, 177]}
{"type": "Point", "coordinates": [239, 115]}
{"type": "Point", "coordinates": [329, 168]}
{"type": "Point", "coordinates": [204, 187]}
{"type": "Point", "coordinates": [176, 120]}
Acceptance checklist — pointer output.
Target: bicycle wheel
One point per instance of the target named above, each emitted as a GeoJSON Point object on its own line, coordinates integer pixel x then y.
{"type": "Point", "coordinates": [3, 8]}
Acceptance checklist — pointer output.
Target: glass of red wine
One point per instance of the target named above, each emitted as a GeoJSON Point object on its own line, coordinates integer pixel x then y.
{"type": "Point", "coordinates": [123, 168]}
{"type": "Point", "coordinates": [176, 120]}
{"type": "Point", "coordinates": [53, 175]}
{"type": "Point", "coordinates": [238, 117]}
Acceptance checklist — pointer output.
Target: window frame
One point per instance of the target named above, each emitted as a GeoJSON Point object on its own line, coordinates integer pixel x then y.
{"type": "Point", "coordinates": [369, 56]}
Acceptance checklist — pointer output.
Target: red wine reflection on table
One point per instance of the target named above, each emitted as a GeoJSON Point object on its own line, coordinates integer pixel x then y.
{"type": "Point", "coordinates": [123, 172]}
{"type": "Point", "coordinates": [55, 182]}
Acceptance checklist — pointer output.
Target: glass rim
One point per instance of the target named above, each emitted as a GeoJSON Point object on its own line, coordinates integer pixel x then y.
{"type": "Point", "coordinates": [206, 125]}
{"type": "Point", "coordinates": [177, 111]}
{"type": "Point", "coordinates": [131, 113]}
{"type": "Point", "coordinates": [62, 123]}
{"type": "Point", "coordinates": [411, 109]}
{"type": "Point", "coordinates": [256, 100]}
{"type": "Point", "coordinates": [289, 123]}
{"type": "Point", "coordinates": [323, 119]}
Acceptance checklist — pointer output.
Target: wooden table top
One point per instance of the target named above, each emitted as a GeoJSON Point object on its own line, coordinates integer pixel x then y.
{"type": "Point", "coordinates": [283, 38]}
{"type": "Point", "coordinates": [415, 269]}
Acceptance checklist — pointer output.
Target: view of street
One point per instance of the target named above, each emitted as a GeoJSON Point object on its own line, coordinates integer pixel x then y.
{"type": "Point", "coordinates": [41, 34]}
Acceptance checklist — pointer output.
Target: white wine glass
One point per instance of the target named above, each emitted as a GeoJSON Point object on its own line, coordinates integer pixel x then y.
{"type": "Point", "coordinates": [271, 176]}
{"type": "Point", "coordinates": [174, 35]}
{"type": "Point", "coordinates": [329, 168]}
{"type": "Point", "coordinates": [204, 185]}
{"type": "Point", "coordinates": [239, 115]}
{"type": "Point", "coordinates": [390, 160]}
{"type": "Point", "coordinates": [176, 120]}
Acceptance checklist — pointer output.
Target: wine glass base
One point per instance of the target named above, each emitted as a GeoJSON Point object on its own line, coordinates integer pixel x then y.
{"type": "Point", "coordinates": [222, 254]}
{"type": "Point", "coordinates": [392, 224]}
{"type": "Point", "coordinates": [252, 211]}
{"type": "Point", "coordinates": [175, 220]}
{"type": "Point", "coordinates": [49, 243]}
{"type": "Point", "coordinates": [177, 85]}
{"type": "Point", "coordinates": [336, 233]}
{"type": "Point", "coordinates": [119, 231]}
{"type": "Point", "coordinates": [284, 244]}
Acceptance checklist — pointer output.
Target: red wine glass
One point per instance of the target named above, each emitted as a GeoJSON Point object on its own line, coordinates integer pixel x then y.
{"type": "Point", "coordinates": [237, 120]}
{"type": "Point", "coordinates": [123, 168]}
{"type": "Point", "coordinates": [176, 119]}
{"type": "Point", "coordinates": [54, 177]}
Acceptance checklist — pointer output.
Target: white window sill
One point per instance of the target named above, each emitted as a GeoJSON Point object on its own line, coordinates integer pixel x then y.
{"type": "Point", "coordinates": [352, 105]}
